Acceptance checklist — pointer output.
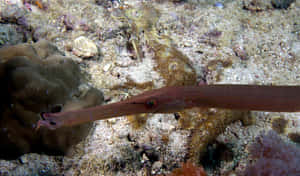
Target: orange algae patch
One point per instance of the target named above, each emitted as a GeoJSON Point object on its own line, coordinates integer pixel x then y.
{"type": "Point", "coordinates": [173, 65]}
{"type": "Point", "coordinates": [138, 120]}
{"type": "Point", "coordinates": [188, 169]}
{"type": "Point", "coordinates": [39, 4]}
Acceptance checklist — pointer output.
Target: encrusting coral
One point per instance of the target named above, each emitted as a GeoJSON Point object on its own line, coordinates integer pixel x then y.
{"type": "Point", "coordinates": [37, 78]}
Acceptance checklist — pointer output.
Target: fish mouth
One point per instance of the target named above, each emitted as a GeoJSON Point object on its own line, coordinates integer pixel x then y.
{"type": "Point", "coordinates": [47, 120]}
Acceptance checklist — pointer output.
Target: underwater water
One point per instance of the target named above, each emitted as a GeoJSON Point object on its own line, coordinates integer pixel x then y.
{"type": "Point", "coordinates": [59, 58]}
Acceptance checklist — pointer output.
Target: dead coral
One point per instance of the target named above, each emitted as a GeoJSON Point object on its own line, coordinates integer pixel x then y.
{"type": "Point", "coordinates": [37, 78]}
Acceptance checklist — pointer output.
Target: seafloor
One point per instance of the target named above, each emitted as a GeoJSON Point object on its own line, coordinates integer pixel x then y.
{"type": "Point", "coordinates": [130, 46]}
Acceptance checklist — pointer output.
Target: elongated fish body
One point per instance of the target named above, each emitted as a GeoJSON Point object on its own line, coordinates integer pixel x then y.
{"type": "Point", "coordinates": [173, 99]}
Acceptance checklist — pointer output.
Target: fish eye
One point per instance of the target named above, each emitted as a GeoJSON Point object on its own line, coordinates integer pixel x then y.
{"type": "Point", "coordinates": [151, 103]}
{"type": "Point", "coordinates": [52, 123]}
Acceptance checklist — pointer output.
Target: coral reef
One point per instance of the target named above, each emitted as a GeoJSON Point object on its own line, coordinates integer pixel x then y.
{"type": "Point", "coordinates": [237, 42]}
{"type": "Point", "coordinates": [37, 78]}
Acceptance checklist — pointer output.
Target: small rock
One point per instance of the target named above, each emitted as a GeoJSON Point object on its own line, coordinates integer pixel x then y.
{"type": "Point", "coordinates": [219, 5]}
{"type": "Point", "coordinates": [69, 21]}
{"type": "Point", "coordinates": [145, 158]}
{"type": "Point", "coordinates": [12, 13]}
{"type": "Point", "coordinates": [104, 3]}
{"type": "Point", "coordinates": [240, 52]}
{"type": "Point", "coordinates": [84, 47]}
{"type": "Point", "coordinates": [106, 67]}
{"type": "Point", "coordinates": [282, 4]}
{"type": "Point", "coordinates": [156, 167]}
{"type": "Point", "coordinates": [23, 159]}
